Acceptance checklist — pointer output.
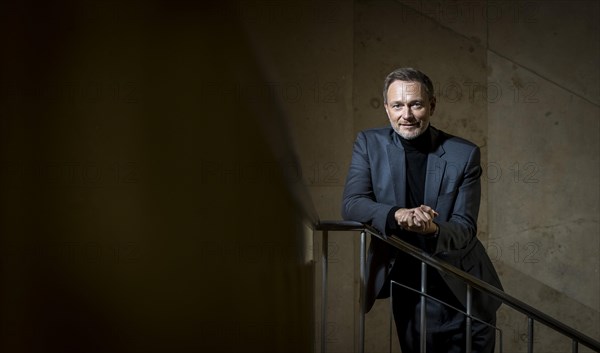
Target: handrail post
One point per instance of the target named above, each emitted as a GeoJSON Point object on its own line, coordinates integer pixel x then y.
{"type": "Point", "coordinates": [423, 343]}
{"type": "Point", "coordinates": [324, 256]}
{"type": "Point", "coordinates": [468, 333]}
{"type": "Point", "coordinates": [574, 346]}
{"type": "Point", "coordinates": [362, 301]}
{"type": "Point", "coordinates": [391, 311]}
{"type": "Point", "coordinates": [529, 335]}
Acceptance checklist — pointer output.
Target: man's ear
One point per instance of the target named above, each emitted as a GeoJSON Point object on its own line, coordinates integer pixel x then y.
{"type": "Point", "coordinates": [432, 103]}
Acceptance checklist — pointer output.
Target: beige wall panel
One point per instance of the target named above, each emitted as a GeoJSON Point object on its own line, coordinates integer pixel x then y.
{"type": "Point", "coordinates": [559, 40]}
{"type": "Point", "coordinates": [543, 191]}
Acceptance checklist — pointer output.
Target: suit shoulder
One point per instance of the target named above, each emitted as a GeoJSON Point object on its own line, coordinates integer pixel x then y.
{"type": "Point", "coordinates": [456, 142]}
{"type": "Point", "coordinates": [377, 134]}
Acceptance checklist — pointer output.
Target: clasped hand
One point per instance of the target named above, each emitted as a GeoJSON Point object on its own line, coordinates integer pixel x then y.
{"type": "Point", "coordinates": [418, 219]}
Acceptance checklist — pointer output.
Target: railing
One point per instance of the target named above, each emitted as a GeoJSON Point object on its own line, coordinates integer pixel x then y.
{"type": "Point", "coordinates": [427, 260]}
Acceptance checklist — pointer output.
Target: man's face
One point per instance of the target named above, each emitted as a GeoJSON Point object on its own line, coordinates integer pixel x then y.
{"type": "Point", "coordinates": [409, 108]}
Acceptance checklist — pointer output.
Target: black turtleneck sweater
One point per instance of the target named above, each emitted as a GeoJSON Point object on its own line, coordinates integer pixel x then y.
{"type": "Point", "coordinates": [416, 151]}
{"type": "Point", "coordinates": [408, 272]}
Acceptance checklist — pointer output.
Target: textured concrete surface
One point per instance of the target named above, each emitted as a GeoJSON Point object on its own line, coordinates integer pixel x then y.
{"type": "Point", "coordinates": [545, 209]}
{"type": "Point", "coordinates": [519, 78]}
{"type": "Point", "coordinates": [127, 91]}
{"type": "Point", "coordinates": [306, 49]}
{"type": "Point", "coordinates": [543, 171]}
{"type": "Point", "coordinates": [557, 40]}
{"type": "Point", "coordinates": [515, 77]}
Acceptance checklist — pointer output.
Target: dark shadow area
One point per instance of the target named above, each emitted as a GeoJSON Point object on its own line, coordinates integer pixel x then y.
{"type": "Point", "coordinates": [144, 206]}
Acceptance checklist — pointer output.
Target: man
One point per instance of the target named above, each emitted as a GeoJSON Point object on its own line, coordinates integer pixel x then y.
{"type": "Point", "coordinates": [422, 185]}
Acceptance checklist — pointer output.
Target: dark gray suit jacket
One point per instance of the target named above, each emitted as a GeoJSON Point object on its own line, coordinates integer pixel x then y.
{"type": "Point", "coordinates": [376, 183]}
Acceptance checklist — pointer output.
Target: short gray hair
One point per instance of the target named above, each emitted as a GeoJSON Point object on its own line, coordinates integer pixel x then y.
{"type": "Point", "coordinates": [411, 75]}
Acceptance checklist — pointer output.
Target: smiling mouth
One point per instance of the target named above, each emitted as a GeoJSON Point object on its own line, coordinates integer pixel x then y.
{"type": "Point", "coordinates": [409, 125]}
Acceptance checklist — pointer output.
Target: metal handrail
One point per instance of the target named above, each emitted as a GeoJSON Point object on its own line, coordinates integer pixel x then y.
{"type": "Point", "coordinates": [532, 313]}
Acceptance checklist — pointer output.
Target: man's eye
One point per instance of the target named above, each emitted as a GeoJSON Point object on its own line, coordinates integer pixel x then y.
{"type": "Point", "coordinates": [396, 106]}
{"type": "Point", "coordinates": [417, 105]}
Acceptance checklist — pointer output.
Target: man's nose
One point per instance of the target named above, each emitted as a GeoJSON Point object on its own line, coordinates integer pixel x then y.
{"type": "Point", "coordinates": [407, 113]}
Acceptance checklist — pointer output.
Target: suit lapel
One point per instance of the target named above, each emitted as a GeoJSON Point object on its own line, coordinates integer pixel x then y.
{"type": "Point", "coordinates": [397, 162]}
{"type": "Point", "coordinates": [436, 168]}
{"type": "Point", "coordinates": [433, 181]}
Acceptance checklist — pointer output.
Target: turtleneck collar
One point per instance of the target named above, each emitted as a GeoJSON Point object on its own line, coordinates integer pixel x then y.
{"type": "Point", "coordinates": [421, 143]}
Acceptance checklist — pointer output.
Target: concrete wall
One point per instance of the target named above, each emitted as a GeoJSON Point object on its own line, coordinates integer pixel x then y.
{"type": "Point", "coordinates": [544, 137]}
{"type": "Point", "coordinates": [520, 79]}
{"type": "Point", "coordinates": [306, 49]}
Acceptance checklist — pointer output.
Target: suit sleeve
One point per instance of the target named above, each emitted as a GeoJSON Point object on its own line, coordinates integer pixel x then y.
{"type": "Point", "coordinates": [359, 202]}
{"type": "Point", "coordinates": [460, 229]}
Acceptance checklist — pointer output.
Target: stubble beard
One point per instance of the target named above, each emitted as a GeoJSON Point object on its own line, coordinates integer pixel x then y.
{"type": "Point", "coordinates": [413, 133]}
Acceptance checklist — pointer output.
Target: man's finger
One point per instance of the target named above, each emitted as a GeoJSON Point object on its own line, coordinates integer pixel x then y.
{"type": "Point", "coordinates": [421, 215]}
{"type": "Point", "coordinates": [429, 210]}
